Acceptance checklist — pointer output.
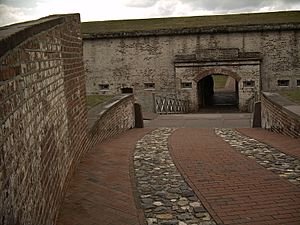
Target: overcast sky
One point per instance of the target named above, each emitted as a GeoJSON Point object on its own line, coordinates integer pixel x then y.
{"type": "Point", "coordinates": [13, 11]}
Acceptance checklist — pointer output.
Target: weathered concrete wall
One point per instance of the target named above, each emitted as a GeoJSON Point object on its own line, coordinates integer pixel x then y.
{"type": "Point", "coordinates": [136, 60]}
{"type": "Point", "coordinates": [44, 124]}
{"type": "Point", "coordinates": [280, 115]}
{"type": "Point", "coordinates": [128, 63]}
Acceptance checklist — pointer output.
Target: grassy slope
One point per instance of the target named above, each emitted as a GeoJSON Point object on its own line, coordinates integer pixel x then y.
{"type": "Point", "coordinates": [293, 95]}
{"type": "Point", "coordinates": [219, 81]}
{"type": "Point", "coordinates": [93, 100]}
{"type": "Point", "coordinates": [190, 22]}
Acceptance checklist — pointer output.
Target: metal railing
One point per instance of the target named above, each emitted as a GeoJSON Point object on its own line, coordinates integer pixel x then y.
{"type": "Point", "coordinates": [169, 104]}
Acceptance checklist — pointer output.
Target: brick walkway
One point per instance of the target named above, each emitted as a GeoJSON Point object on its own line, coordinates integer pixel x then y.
{"type": "Point", "coordinates": [234, 188]}
{"type": "Point", "coordinates": [101, 192]}
{"type": "Point", "coordinates": [281, 142]}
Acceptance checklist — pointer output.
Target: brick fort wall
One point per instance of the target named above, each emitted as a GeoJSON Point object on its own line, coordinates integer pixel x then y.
{"type": "Point", "coordinates": [44, 124]}
{"type": "Point", "coordinates": [43, 113]}
{"type": "Point", "coordinates": [266, 55]}
{"type": "Point", "coordinates": [280, 115]}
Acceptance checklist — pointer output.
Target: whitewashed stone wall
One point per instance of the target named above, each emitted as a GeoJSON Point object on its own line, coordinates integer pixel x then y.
{"type": "Point", "coordinates": [133, 61]}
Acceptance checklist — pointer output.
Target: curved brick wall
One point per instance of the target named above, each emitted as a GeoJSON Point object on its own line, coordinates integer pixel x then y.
{"type": "Point", "coordinates": [44, 126]}
{"type": "Point", "coordinates": [42, 113]}
{"type": "Point", "coordinates": [280, 115]}
{"type": "Point", "coordinates": [111, 118]}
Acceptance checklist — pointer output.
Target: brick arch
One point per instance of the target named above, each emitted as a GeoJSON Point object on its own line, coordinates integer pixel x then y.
{"type": "Point", "coordinates": [222, 71]}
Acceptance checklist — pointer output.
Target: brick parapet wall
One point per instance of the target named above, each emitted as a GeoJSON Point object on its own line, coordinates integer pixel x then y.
{"type": "Point", "coordinates": [111, 118]}
{"type": "Point", "coordinates": [42, 117]}
{"type": "Point", "coordinates": [280, 115]}
{"type": "Point", "coordinates": [44, 127]}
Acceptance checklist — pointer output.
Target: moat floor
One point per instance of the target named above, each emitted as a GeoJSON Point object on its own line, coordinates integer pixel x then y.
{"type": "Point", "coordinates": [187, 176]}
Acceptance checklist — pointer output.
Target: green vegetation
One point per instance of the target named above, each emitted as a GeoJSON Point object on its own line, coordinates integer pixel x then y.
{"type": "Point", "coordinates": [93, 100]}
{"type": "Point", "coordinates": [189, 22]}
{"type": "Point", "coordinates": [293, 95]}
{"type": "Point", "coordinates": [219, 81]}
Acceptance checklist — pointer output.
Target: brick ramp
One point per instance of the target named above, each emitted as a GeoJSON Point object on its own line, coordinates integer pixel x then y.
{"type": "Point", "coordinates": [281, 142]}
{"type": "Point", "coordinates": [234, 188]}
{"type": "Point", "coordinates": [101, 191]}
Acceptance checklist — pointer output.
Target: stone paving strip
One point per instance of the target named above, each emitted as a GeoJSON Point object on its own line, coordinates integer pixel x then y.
{"type": "Point", "coordinates": [284, 165]}
{"type": "Point", "coordinates": [165, 196]}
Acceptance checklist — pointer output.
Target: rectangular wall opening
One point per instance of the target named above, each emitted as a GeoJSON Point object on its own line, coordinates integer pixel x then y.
{"type": "Point", "coordinates": [248, 83]}
{"type": "Point", "coordinates": [186, 85]}
{"type": "Point", "coordinates": [149, 86]}
{"type": "Point", "coordinates": [104, 87]}
{"type": "Point", "coordinates": [283, 83]}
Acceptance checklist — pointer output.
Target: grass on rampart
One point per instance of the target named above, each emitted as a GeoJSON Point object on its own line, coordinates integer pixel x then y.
{"type": "Point", "coordinates": [293, 95]}
{"type": "Point", "coordinates": [189, 22]}
{"type": "Point", "coordinates": [219, 81]}
{"type": "Point", "coordinates": [93, 100]}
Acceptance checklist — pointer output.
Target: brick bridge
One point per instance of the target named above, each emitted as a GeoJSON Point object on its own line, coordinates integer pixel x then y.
{"type": "Point", "coordinates": [188, 175]}
{"type": "Point", "coordinates": [61, 164]}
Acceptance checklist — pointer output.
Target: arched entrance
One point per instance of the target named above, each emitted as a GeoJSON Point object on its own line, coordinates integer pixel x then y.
{"type": "Point", "coordinates": [217, 92]}
{"type": "Point", "coordinates": [202, 71]}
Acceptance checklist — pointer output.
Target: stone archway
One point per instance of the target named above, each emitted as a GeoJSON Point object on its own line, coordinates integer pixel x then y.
{"type": "Point", "coordinates": [217, 92]}
{"type": "Point", "coordinates": [245, 71]}
{"type": "Point", "coordinates": [217, 70]}
{"type": "Point", "coordinates": [207, 95]}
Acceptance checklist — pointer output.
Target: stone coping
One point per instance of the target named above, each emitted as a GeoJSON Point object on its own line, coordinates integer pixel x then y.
{"type": "Point", "coordinates": [285, 104]}
{"type": "Point", "coordinates": [13, 35]}
{"type": "Point", "coordinates": [95, 113]}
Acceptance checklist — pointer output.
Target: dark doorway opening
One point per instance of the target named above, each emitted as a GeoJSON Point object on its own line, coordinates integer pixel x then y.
{"type": "Point", "coordinates": [127, 90]}
{"type": "Point", "coordinates": [217, 93]}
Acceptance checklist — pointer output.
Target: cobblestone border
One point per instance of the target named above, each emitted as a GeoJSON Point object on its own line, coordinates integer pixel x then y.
{"type": "Point", "coordinates": [284, 165]}
{"type": "Point", "coordinates": [165, 196]}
